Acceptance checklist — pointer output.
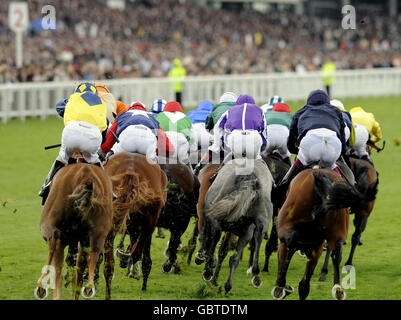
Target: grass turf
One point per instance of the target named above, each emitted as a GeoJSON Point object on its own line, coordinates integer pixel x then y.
{"type": "Point", "coordinates": [24, 165]}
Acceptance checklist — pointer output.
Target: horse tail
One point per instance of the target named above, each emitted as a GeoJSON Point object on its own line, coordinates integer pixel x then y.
{"type": "Point", "coordinates": [367, 188]}
{"type": "Point", "coordinates": [83, 198]}
{"type": "Point", "coordinates": [236, 204]}
{"type": "Point", "coordinates": [334, 195]}
{"type": "Point", "coordinates": [134, 194]}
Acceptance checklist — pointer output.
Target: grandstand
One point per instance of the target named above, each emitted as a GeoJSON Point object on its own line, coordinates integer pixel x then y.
{"type": "Point", "coordinates": [115, 39]}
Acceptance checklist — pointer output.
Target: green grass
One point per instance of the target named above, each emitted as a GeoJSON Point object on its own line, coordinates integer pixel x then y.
{"type": "Point", "coordinates": [24, 165]}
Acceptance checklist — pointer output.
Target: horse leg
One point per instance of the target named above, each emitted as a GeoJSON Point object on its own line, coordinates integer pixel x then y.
{"type": "Point", "coordinates": [175, 240]}
{"type": "Point", "coordinates": [223, 251]}
{"type": "Point", "coordinates": [234, 259]}
{"type": "Point", "coordinates": [257, 238]}
{"type": "Point", "coordinates": [58, 266]}
{"type": "Point", "coordinates": [71, 261]}
{"type": "Point", "coordinates": [360, 222]}
{"type": "Point", "coordinates": [79, 271]}
{"type": "Point", "coordinates": [281, 290]}
{"type": "Point", "coordinates": [271, 245]}
{"type": "Point", "coordinates": [192, 243]}
{"type": "Point", "coordinates": [337, 292]}
{"type": "Point", "coordinates": [251, 254]}
{"type": "Point", "coordinates": [108, 268]}
{"type": "Point", "coordinates": [210, 264]}
{"type": "Point", "coordinates": [304, 284]}
{"type": "Point", "coordinates": [325, 268]}
{"type": "Point", "coordinates": [146, 263]}
{"type": "Point", "coordinates": [41, 291]}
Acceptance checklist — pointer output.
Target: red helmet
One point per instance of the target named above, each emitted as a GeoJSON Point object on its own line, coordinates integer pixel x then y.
{"type": "Point", "coordinates": [137, 105]}
{"type": "Point", "coordinates": [281, 107]}
{"type": "Point", "coordinates": [173, 106]}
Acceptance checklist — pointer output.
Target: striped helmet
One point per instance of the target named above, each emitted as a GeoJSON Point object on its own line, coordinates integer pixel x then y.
{"type": "Point", "coordinates": [275, 99]}
{"type": "Point", "coordinates": [86, 86]}
{"type": "Point", "coordinates": [158, 105]}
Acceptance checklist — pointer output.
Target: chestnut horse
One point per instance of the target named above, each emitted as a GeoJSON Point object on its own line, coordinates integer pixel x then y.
{"type": "Point", "coordinates": [367, 180]}
{"type": "Point", "coordinates": [78, 209]}
{"type": "Point", "coordinates": [315, 210]}
{"type": "Point", "coordinates": [140, 187]}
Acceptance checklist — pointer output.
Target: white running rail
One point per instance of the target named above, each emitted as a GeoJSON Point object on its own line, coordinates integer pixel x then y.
{"type": "Point", "coordinates": [22, 100]}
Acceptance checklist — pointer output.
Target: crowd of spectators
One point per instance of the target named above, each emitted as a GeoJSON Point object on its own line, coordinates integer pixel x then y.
{"type": "Point", "coordinates": [93, 41]}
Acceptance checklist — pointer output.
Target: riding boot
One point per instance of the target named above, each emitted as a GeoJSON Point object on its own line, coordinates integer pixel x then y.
{"type": "Point", "coordinates": [109, 154]}
{"type": "Point", "coordinates": [99, 164]}
{"type": "Point", "coordinates": [44, 190]}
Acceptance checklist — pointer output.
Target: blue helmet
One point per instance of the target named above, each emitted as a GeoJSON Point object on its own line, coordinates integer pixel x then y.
{"type": "Point", "coordinates": [275, 99]}
{"type": "Point", "coordinates": [86, 86]}
{"type": "Point", "coordinates": [158, 105]}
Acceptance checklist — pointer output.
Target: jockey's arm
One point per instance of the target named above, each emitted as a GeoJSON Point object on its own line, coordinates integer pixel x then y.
{"type": "Point", "coordinates": [218, 133]}
{"type": "Point", "coordinates": [110, 140]}
{"type": "Point", "coordinates": [376, 133]}
{"type": "Point", "coordinates": [164, 146]}
{"type": "Point", "coordinates": [60, 107]}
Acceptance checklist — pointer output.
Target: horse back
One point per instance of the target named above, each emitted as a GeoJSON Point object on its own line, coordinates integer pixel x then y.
{"type": "Point", "coordinates": [80, 199]}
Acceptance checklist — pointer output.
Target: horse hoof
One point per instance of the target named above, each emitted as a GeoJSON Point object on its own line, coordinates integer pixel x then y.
{"type": "Point", "coordinates": [167, 268]}
{"type": "Point", "coordinates": [205, 277]}
{"type": "Point", "coordinates": [256, 282]}
{"type": "Point", "coordinates": [338, 293]}
{"type": "Point", "coordinates": [301, 254]}
{"type": "Point", "coordinates": [322, 277]}
{"type": "Point", "coordinates": [278, 293]}
{"type": "Point", "coordinates": [41, 293]}
{"type": "Point", "coordinates": [199, 258]}
{"type": "Point", "coordinates": [88, 293]}
{"type": "Point", "coordinates": [166, 253]}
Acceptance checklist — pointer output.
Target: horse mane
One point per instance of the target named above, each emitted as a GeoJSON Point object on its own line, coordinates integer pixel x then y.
{"type": "Point", "coordinates": [235, 204]}
{"type": "Point", "coordinates": [85, 199]}
{"type": "Point", "coordinates": [333, 195]}
{"type": "Point", "coordinates": [132, 195]}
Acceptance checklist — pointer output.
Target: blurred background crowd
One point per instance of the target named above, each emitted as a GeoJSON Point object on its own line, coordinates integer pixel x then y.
{"type": "Point", "coordinates": [94, 41]}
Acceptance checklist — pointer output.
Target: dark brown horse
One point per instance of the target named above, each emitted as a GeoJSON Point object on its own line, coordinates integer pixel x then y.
{"type": "Point", "coordinates": [78, 209]}
{"type": "Point", "coordinates": [141, 194]}
{"type": "Point", "coordinates": [182, 196]}
{"type": "Point", "coordinates": [367, 182]}
{"type": "Point", "coordinates": [316, 210]}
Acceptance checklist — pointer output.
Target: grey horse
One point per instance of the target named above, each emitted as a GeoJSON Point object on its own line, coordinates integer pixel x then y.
{"type": "Point", "coordinates": [239, 202]}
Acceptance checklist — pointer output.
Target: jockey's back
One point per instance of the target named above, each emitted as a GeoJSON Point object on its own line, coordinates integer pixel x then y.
{"type": "Point", "coordinates": [86, 106]}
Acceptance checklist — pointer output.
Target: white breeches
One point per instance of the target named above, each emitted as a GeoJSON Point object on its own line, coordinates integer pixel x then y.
{"type": "Point", "coordinates": [361, 138]}
{"type": "Point", "coordinates": [80, 136]}
{"type": "Point", "coordinates": [138, 139]}
{"type": "Point", "coordinates": [245, 143]}
{"type": "Point", "coordinates": [277, 136]}
{"type": "Point", "coordinates": [320, 145]}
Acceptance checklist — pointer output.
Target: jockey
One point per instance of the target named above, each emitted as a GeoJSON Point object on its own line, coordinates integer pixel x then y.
{"type": "Point", "coordinates": [198, 119]}
{"type": "Point", "coordinates": [227, 100]}
{"type": "Point", "coordinates": [366, 129]}
{"type": "Point", "coordinates": [272, 101]}
{"type": "Point", "coordinates": [115, 107]}
{"type": "Point", "coordinates": [158, 105]}
{"type": "Point", "coordinates": [178, 128]}
{"type": "Point", "coordinates": [316, 134]}
{"type": "Point", "coordinates": [137, 131]}
{"type": "Point", "coordinates": [241, 130]}
{"type": "Point", "coordinates": [278, 121]}
{"type": "Point", "coordinates": [85, 127]}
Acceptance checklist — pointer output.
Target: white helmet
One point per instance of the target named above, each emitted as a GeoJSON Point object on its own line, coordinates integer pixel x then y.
{"type": "Point", "coordinates": [228, 97]}
{"type": "Point", "coordinates": [338, 104]}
